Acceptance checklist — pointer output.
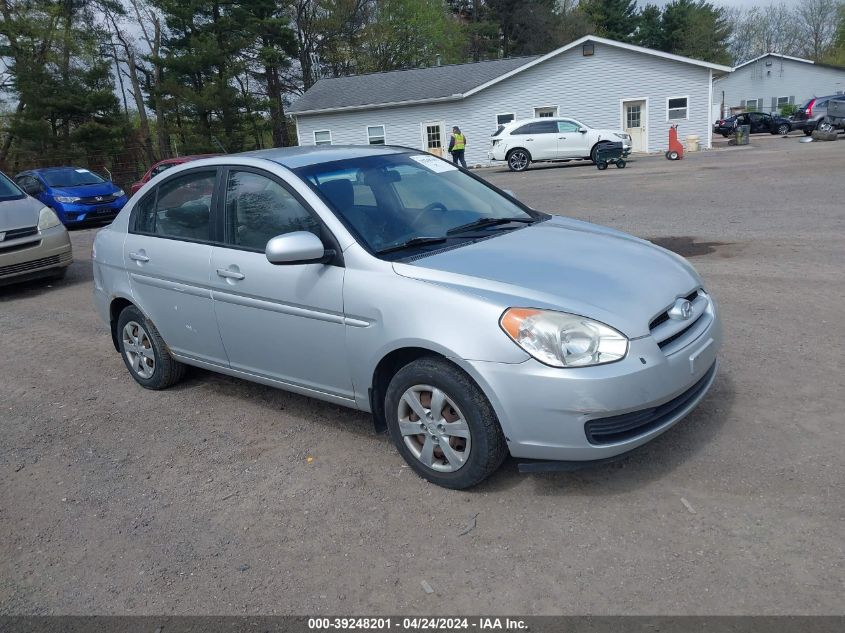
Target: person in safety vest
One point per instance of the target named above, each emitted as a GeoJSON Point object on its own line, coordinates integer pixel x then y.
{"type": "Point", "coordinates": [457, 144]}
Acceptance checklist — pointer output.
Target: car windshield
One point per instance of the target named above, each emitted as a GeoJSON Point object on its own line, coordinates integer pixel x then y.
{"type": "Point", "coordinates": [9, 190]}
{"type": "Point", "coordinates": [70, 178]}
{"type": "Point", "coordinates": [401, 203]}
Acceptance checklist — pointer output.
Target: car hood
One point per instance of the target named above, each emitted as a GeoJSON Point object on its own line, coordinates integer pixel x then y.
{"type": "Point", "coordinates": [19, 214]}
{"type": "Point", "coordinates": [86, 191]}
{"type": "Point", "coordinates": [610, 135]}
{"type": "Point", "coordinates": [566, 265]}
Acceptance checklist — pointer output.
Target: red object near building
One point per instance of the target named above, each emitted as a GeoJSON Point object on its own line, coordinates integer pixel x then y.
{"type": "Point", "coordinates": [676, 150]}
{"type": "Point", "coordinates": [162, 165]}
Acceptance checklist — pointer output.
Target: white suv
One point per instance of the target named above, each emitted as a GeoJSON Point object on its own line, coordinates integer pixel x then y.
{"type": "Point", "coordinates": [530, 140]}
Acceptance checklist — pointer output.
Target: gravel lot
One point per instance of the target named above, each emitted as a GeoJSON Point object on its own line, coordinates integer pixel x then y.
{"type": "Point", "coordinates": [224, 497]}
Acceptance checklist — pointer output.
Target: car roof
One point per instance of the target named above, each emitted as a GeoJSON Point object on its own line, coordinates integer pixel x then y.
{"type": "Point", "coordinates": [306, 155]}
{"type": "Point", "coordinates": [183, 159]}
{"type": "Point", "coordinates": [534, 120]}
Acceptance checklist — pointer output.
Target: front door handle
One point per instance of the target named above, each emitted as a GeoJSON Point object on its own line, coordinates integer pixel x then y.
{"type": "Point", "coordinates": [230, 274]}
{"type": "Point", "coordinates": [139, 257]}
{"type": "Point", "coordinates": [529, 139]}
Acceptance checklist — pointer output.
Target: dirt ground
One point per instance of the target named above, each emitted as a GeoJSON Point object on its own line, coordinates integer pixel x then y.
{"type": "Point", "coordinates": [224, 497]}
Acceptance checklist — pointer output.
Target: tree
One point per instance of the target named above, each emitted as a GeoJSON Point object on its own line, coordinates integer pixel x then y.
{"type": "Point", "coordinates": [614, 19]}
{"type": "Point", "coordinates": [650, 28]}
{"type": "Point", "coordinates": [697, 29]}
{"type": "Point", "coordinates": [817, 23]}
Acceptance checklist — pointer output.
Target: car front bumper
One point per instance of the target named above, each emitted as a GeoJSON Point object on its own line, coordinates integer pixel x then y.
{"type": "Point", "coordinates": [71, 214]}
{"type": "Point", "coordinates": [35, 256]}
{"type": "Point", "coordinates": [594, 413]}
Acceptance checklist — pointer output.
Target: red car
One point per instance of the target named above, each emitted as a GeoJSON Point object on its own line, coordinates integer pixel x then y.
{"type": "Point", "coordinates": [162, 165]}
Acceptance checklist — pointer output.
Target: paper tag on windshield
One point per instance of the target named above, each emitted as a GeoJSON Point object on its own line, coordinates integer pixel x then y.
{"type": "Point", "coordinates": [433, 163]}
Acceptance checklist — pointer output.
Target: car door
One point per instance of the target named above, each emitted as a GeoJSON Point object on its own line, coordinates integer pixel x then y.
{"type": "Point", "coordinates": [571, 143]}
{"type": "Point", "coordinates": [167, 253]}
{"type": "Point", "coordinates": [545, 140]}
{"type": "Point", "coordinates": [281, 322]}
{"type": "Point", "coordinates": [757, 123]}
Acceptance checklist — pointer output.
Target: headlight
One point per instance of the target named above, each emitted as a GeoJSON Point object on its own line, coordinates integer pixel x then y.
{"type": "Point", "coordinates": [563, 340]}
{"type": "Point", "coordinates": [627, 137]}
{"type": "Point", "coordinates": [119, 193]}
{"type": "Point", "coordinates": [66, 199]}
{"type": "Point", "coordinates": [47, 219]}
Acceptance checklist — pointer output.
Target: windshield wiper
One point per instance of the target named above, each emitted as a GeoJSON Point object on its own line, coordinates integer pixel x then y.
{"type": "Point", "coordinates": [482, 223]}
{"type": "Point", "coordinates": [414, 241]}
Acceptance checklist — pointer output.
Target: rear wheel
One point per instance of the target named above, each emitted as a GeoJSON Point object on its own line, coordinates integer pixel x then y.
{"type": "Point", "coordinates": [145, 353]}
{"type": "Point", "coordinates": [783, 129]}
{"type": "Point", "coordinates": [443, 425]}
{"type": "Point", "coordinates": [620, 164]}
{"type": "Point", "coordinates": [518, 160]}
{"type": "Point", "coordinates": [826, 126]}
{"type": "Point", "coordinates": [602, 166]}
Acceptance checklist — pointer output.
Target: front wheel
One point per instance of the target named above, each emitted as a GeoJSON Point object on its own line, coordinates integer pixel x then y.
{"type": "Point", "coordinates": [145, 353]}
{"type": "Point", "coordinates": [443, 425]}
{"type": "Point", "coordinates": [518, 160]}
{"type": "Point", "coordinates": [601, 166]}
{"type": "Point", "coordinates": [594, 153]}
{"type": "Point", "coordinates": [620, 164]}
{"type": "Point", "coordinates": [783, 129]}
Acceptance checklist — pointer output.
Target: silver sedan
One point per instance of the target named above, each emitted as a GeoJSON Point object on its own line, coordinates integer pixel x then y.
{"type": "Point", "coordinates": [388, 280]}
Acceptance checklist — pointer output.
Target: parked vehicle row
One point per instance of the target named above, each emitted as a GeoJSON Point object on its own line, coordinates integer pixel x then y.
{"type": "Point", "coordinates": [814, 112]}
{"type": "Point", "coordinates": [388, 280]}
{"type": "Point", "coordinates": [527, 141]}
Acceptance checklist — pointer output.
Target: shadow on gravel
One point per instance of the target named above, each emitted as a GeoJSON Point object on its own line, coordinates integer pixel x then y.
{"type": "Point", "coordinates": [686, 246]}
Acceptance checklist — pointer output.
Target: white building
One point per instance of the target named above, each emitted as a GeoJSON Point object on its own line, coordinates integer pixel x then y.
{"type": "Point", "coordinates": [769, 82]}
{"type": "Point", "coordinates": [600, 82]}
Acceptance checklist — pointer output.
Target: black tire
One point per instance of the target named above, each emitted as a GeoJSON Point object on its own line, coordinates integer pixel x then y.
{"type": "Point", "coordinates": [594, 151]}
{"type": "Point", "coordinates": [518, 159]}
{"type": "Point", "coordinates": [620, 164]}
{"type": "Point", "coordinates": [808, 131]}
{"type": "Point", "coordinates": [673, 155]}
{"type": "Point", "coordinates": [601, 166]}
{"type": "Point", "coordinates": [166, 371]}
{"type": "Point", "coordinates": [488, 446]}
{"type": "Point", "coordinates": [784, 129]}
{"type": "Point", "coordinates": [827, 127]}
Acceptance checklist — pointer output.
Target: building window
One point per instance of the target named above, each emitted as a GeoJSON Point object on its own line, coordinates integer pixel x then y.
{"type": "Point", "coordinates": [503, 119]}
{"type": "Point", "coordinates": [677, 108]}
{"type": "Point", "coordinates": [375, 134]}
{"type": "Point", "coordinates": [752, 105]}
{"type": "Point", "coordinates": [544, 113]}
{"type": "Point", "coordinates": [322, 137]}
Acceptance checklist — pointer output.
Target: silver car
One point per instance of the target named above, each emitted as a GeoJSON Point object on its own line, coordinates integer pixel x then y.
{"type": "Point", "coordinates": [33, 241]}
{"type": "Point", "coordinates": [387, 280]}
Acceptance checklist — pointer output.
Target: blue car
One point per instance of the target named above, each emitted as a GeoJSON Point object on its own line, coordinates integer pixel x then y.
{"type": "Point", "coordinates": [76, 195]}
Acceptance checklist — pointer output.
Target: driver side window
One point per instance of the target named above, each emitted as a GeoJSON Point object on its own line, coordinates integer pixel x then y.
{"type": "Point", "coordinates": [258, 209]}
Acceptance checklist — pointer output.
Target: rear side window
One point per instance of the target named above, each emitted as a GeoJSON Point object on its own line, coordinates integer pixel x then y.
{"type": "Point", "coordinates": [180, 208]}
{"type": "Point", "coordinates": [523, 129]}
{"type": "Point", "coordinates": [544, 127]}
{"type": "Point", "coordinates": [259, 208]}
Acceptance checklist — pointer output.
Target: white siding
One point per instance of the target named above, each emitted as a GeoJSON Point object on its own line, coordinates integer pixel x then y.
{"type": "Point", "coordinates": [773, 77]}
{"type": "Point", "coordinates": [586, 88]}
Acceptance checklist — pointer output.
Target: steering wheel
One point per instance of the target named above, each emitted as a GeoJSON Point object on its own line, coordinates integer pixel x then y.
{"type": "Point", "coordinates": [427, 208]}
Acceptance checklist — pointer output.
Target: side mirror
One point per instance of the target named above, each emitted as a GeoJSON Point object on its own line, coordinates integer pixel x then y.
{"type": "Point", "coordinates": [583, 130]}
{"type": "Point", "coordinates": [299, 247]}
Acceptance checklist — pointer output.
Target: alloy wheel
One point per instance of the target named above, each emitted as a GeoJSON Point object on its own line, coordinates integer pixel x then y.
{"type": "Point", "coordinates": [138, 348]}
{"type": "Point", "coordinates": [518, 161]}
{"type": "Point", "coordinates": [434, 429]}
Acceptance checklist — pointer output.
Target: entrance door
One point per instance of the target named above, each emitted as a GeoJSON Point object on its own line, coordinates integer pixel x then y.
{"type": "Point", "coordinates": [635, 116]}
{"type": "Point", "coordinates": [433, 137]}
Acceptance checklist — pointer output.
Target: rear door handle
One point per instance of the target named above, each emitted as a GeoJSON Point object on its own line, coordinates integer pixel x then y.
{"type": "Point", "coordinates": [139, 257]}
{"type": "Point", "coordinates": [230, 274]}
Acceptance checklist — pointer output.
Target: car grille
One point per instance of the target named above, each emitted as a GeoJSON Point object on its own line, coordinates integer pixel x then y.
{"type": "Point", "coordinates": [672, 335]}
{"type": "Point", "coordinates": [15, 234]}
{"type": "Point", "coordinates": [619, 428]}
{"type": "Point", "coordinates": [35, 264]}
{"type": "Point", "coordinates": [98, 199]}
